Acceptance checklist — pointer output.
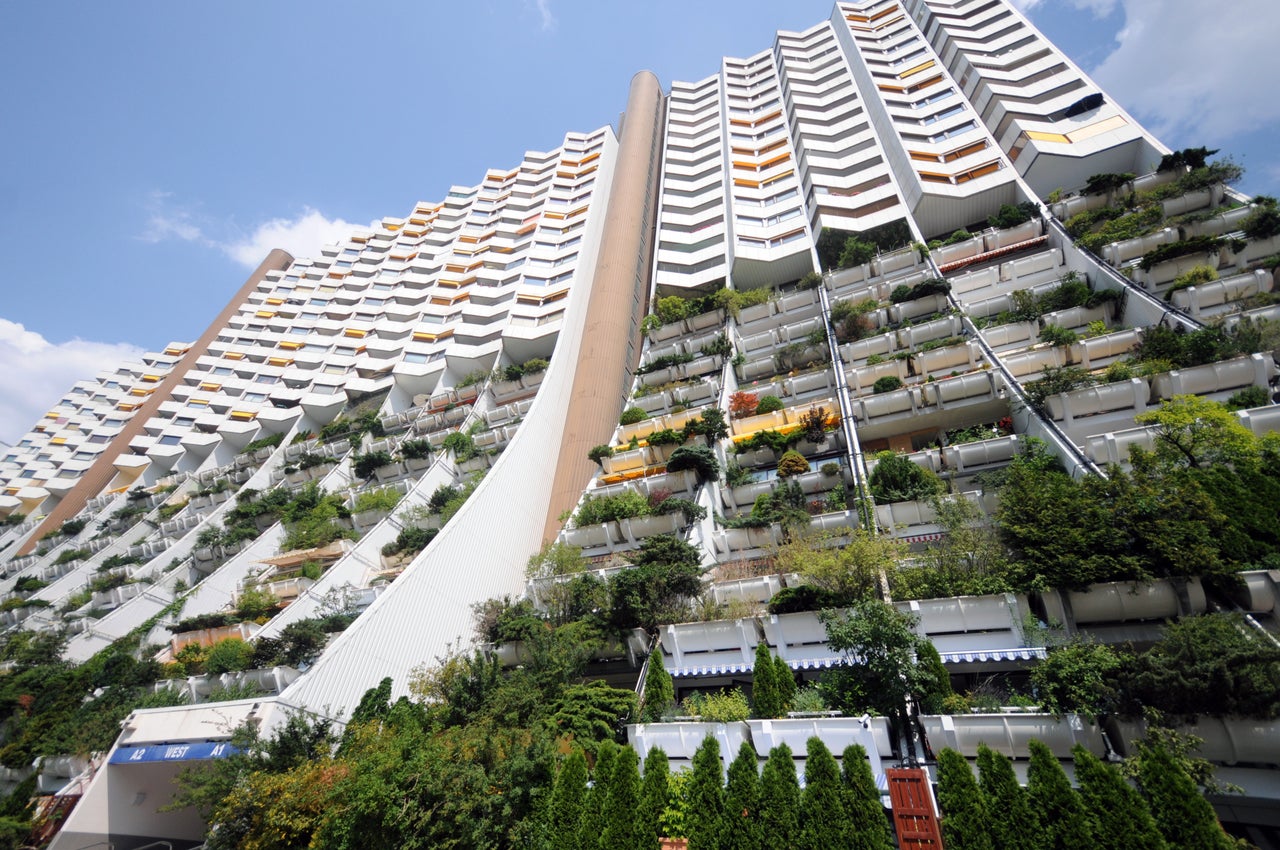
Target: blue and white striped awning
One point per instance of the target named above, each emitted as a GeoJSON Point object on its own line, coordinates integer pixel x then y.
{"type": "Point", "coordinates": [1022, 653]}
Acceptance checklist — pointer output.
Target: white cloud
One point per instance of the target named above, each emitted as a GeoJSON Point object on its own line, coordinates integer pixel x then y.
{"type": "Point", "coordinates": [302, 236]}
{"type": "Point", "coordinates": [35, 373]}
{"type": "Point", "coordinates": [548, 20]}
{"type": "Point", "coordinates": [1193, 72]}
{"type": "Point", "coordinates": [168, 221]}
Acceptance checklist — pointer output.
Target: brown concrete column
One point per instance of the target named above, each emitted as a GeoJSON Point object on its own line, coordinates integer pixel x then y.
{"type": "Point", "coordinates": [611, 336]}
{"type": "Point", "coordinates": [99, 475]}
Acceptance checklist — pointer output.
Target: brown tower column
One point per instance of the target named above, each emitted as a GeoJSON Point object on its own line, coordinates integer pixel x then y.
{"type": "Point", "coordinates": [103, 470]}
{"type": "Point", "coordinates": [611, 336]}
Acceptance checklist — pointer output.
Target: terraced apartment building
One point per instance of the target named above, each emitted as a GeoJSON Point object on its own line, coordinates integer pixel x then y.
{"type": "Point", "coordinates": [454, 380]}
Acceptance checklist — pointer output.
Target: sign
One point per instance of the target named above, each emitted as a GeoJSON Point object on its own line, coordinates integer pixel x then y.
{"type": "Point", "coordinates": [172, 752]}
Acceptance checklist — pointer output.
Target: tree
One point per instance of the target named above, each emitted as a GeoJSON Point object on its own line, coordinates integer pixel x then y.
{"type": "Point", "coordinates": [779, 799]}
{"type": "Point", "coordinates": [964, 811]}
{"type": "Point", "coordinates": [792, 463]}
{"type": "Point", "coordinates": [654, 791]}
{"type": "Point", "coordinates": [880, 650]}
{"type": "Point", "coordinates": [855, 252]}
{"type": "Point", "coordinates": [1186, 819]}
{"type": "Point", "coordinates": [865, 808]}
{"type": "Point", "coordinates": [1196, 432]}
{"type": "Point", "coordinates": [659, 692]}
{"type": "Point", "coordinates": [1066, 822]}
{"type": "Point", "coordinates": [765, 700]}
{"type": "Point", "coordinates": [742, 799]}
{"type": "Point", "coordinates": [622, 828]}
{"type": "Point", "coordinates": [1121, 817]}
{"type": "Point", "coordinates": [851, 571]}
{"type": "Point", "coordinates": [1014, 825]}
{"type": "Point", "coordinates": [1077, 678]}
{"type": "Point", "coordinates": [592, 824]}
{"type": "Point", "coordinates": [785, 681]}
{"type": "Point", "coordinates": [568, 797]}
{"type": "Point", "coordinates": [825, 821]}
{"type": "Point", "coordinates": [705, 795]}
{"type": "Point", "coordinates": [1210, 664]}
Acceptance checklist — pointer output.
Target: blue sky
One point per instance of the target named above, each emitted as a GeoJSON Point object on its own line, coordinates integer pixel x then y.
{"type": "Point", "coordinates": [154, 151]}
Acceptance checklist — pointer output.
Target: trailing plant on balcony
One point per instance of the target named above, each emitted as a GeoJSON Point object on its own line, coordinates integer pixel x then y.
{"type": "Point", "coordinates": [268, 442]}
{"type": "Point", "coordinates": [1055, 380]}
{"type": "Point", "coordinates": [809, 280]}
{"type": "Point", "coordinates": [1188, 279]}
{"type": "Point", "coordinates": [29, 584]}
{"type": "Point", "coordinates": [1264, 222]}
{"type": "Point", "coordinates": [692, 511]}
{"type": "Point", "coordinates": [66, 556]}
{"type": "Point", "coordinates": [364, 465]}
{"type": "Point", "coordinates": [701, 459]}
{"type": "Point", "coordinates": [665, 361]}
{"type": "Point", "coordinates": [200, 622]}
{"type": "Point", "coordinates": [415, 449]}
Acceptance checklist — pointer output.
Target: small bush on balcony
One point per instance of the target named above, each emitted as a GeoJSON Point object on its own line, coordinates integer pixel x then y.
{"type": "Point", "coordinates": [599, 453]}
{"type": "Point", "coordinates": [792, 463]}
{"type": "Point", "coordinates": [364, 465]}
{"type": "Point", "coordinates": [228, 655]}
{"type": "Point", "coordinates": [742, 404]}
{"type": "Point", "coordinates": [1173, 250]}
{"type": "Point", "coordinates": [768, 404]}
{"type": "Point", "coordinates": [256, 603]}
{"type": "Point", "coordinates": [775, 441]}
{"type": "Point", "coordinates": [725, 706]}
{"type": "Point", "coordinates": [735, 475]}
{"type": "Point", "coordinates": [711, 424]}
{"type": "Point", "coordinates": [66, 556]}
{"type": "Point", "coordinates": [1055, 380]}
{"type": "Point", "coordinates": [268, 442]}
{"type": "Point", "coordinates": [692, 511]}
{"type": "Point", "coordinates": [598, 509]}
{"type": "Point", "coordinates": [813, 424]}
{"type": "Point", "coordinates": [1010, 215]}
{"type": "Point", "coordinates": [201, 622]}
{"type": "Point", "coordinates": [72, 527]}
{"type": "Point", "coordinates": [461, 444]}
{"type": "Point", "coordinates": [111, 581]}
{"type": "Point", "coordinates": [856, 253]}
{"type": "Point", "coordinates": [1194, 277]}
{"type": "Point", "coordinates": [666, 437]}
{"type": "Point", "coordinates": [1058, 335]}
{"type": "Point", "coordinates": [29, 584]}
{"type": "Point", "coordinates": [308, 460]}
{"type": "Point", "coordinates": [410, 540]}
{"type": "Point", "coordinates": [1249, 397]}
{"type": "Point", "coordinates": [415, 449]}
{"type": "Point", "coordinates": [701, 459]}
{"type": "Point", "coordinates": [805, 597]}
{"type": "Point", "coordinates": [311, 520]}
{"type": "Point", "coordinates": [1101, 184]}
{"type": "Point", "coordinates": [632, 415]}
{"type": "Point", "coordinates": [811, 280]}
{"type": "Point", "coordinates": [1264, 222]}
{"type": "Point", "coordinates": [383, 499]}
{"type": "Point", "coordinates": [897, 479]}
{"type": "Point", "coordinates": [958, 236]}
{"type": "Point", "coordinates": [718, 347]}
{"type": "Point", "coordinates": [516, 371]}
{"type": "Point", "coordinates": [664, 362]}
{"type": "Point", "coordinates": [886, 384]}
{"type": "Point", "coordinates": [168, 512]}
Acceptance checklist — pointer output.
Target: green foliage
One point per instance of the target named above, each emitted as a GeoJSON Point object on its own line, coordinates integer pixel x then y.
{"type": "Point", "coordinates": [622, 829]}
{"type": "Point", "coordinates": [1056, 335]}
{"type": "Point", "coordinates": [701, 459]}
{"type": "Point", "coordinates": [410, 539]}
{"type": "Point", "coordinates": [1101, 184]}
{"type": "Point", "coordinates": [666, 361]}
{"type": "Point", "coordinates": [364, 465]}
{"type": "Point", "coordinates": [1248, 397]}
{"type": "Point", "coordinates": [659, 692]}
{"type": "Point", "coordinates": [599, 453]}
{"type": "Point", "coordinates": [383, 499]}
{"type": "Point", "coordinates": [825, 820]}
{"type": "Point", "coordinates": [1012, 823]}
{"type": "Point", "coordinates": [311, 519]}
{"type": "Point", "coordinates": [228, 655]}
{"type": "Point", "coordinates": [1121, 819]}
{"type": "Point", "coordinates": [667, 573]}
{"type": "Point", "coordinates": [1062, 813]}
{"type": "Point", "coordinates": [654, 793]}
{"type": "Point", "coordinates": [846, 572]}
{"type": "Point", "coordinates": [29, 584]}
{"type": "Point", "coordinates": [1010, 215]}
{"type": "Point", "coordinates": [965, 816]}
{"type": "Point", "coordinates": [516, 371]}
{"type": "Point", "coordinates": [741, 830]}
{"type": "Point", "coordinates": [632, 415]}
{"type": "Point", "coordinates": [923, 289]}
{"type": "Point", "coordinates": [779, 799]}
{"type": "Point", "coordinates": [886, 384]}
{"type": "Point", "coordinates": [865, 808]}
{"type": "Point", "coordinates": [66, 556]}
{"type": "Point", "coordinates": [415, 449]}
{"type": "Point", "coordinates": [1186, 158]}
{"type": "Point", "coordinates": [461, 444]}
{"type": "Point", "coordinates": [711, 424]}
{"type": "Point", "coordinates": [1181, 248]}
{"type": "Point", "coordinates": [768, 404]}
{"type": "Point", "coordinates": [810, 280]}
{"type": "Point", "coordinates": [785, 682]}
{"type": "Point", "coordinates": [792, 463]}
{"type": "Point", "coordinates": [897, 479]}
{"type": "Point", "coordinates": [1055, 380]}
{"type": "Point", "coordinates": [728, 705]}
{"type": "Point", "coordinates": [1262, 223]}
{"type": "Point", "coordinates": [567, 799]}
{"type": "Point", "coordinates": [1076, 678]}
{"type": "Point", "coordinates": [705, 796]}
{"type": "Point", "coordinates": [718, 347]}
{"type": "Point", "coordinates": [766, 701]}
{"type": "Point", "coordinates": [624, 505]}
{"type": "Point", "coordinates": [268, 442]}
{"type": "Point", "coordinates": [775, 441]}
{"type": "Point", "coordinates": [1185, 818]}
{"type": "Point", "coordinates": [855, 252]}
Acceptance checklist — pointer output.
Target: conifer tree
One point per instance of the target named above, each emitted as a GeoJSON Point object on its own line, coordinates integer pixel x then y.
{"type": "Point", "coordinates": [621, 808]}
{"type": "Point", "coordinates": [653, 798]}
{"type": "Point", "coordinates": [1014, 825]}
{"type": "Point", "coordinates": [592, 823]}
{"type": "Point", "coordinates": [1066, 823]}
{"type": "Point", "coordinates": [865, 807]}
{"type": "Point", "coordinates": [785, 682]}
{"type": "Point", "coordinates": [742, 802]}
{"type": "Point", "coordinates": [1121, 818]}
{"type": "Point", "coordinates": [964, 812]}
{"type": "Point", "coordinates": [824, 808]}
{"type": "Point", "coordinates": [659, 693]}
{"type": "Point", "coordinates": [764, 690]}
{"type": "Point", "coordinates": [705, 795]}
{"type": "Point", "coordinates": [779, 799]}
{"type": "Point", "coordinates": [568, 796]}
{"type": "Point", "coordinates": [1184, 816]}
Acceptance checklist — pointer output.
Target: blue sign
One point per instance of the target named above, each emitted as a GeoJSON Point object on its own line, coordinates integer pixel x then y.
{"type": "Point", "coordinates": [172, 752]}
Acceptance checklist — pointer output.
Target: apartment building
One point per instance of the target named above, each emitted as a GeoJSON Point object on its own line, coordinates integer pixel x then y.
{"type": "Point", "coordinates": [483, 344]}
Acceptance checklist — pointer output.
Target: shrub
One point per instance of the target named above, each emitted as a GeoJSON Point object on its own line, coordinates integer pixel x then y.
{"type": "Point", "coordinates": [811, 280]}
{"type": "Point", "coordinates": [856, 252]}
{"type": "Point", "coordinates": [711, 424]}
{"type": "Point", "coordinates": [1173, 250]}
{"type": "Point", "coordinates": [599, 453]}
{"type": "Point", "coordinates": [632, 415]}
{"type": "Point", "coordinates": [768, 404]}
{"type": "Point", "coordinates": [806, 597]}
{"type": "Point", "coordinates": [364, 465]}
{"type": "Point", "coordinates": [693, 512]}
{"type": "Point", "coordinates": [1248, 397]}
{"type": "Point", "coordinates": [1263, 223]}
{"type": "Point", "coordinates": [742, 404]}
{"type": "Point", "coordinates": [666, 437]}
{"type": "Point", "coordinates": [383, 499]}
{"type": "Point", "coordinates": [897, 479]}
{"type": "Point", "coordinates": [663, 362]}
{"type": "Point", "coordinates": [1058, 335]}
{"type": "Point", "coordinates": [227, 656]}
{"type": "Point", "coordinates": [1010, 215]}
{"type": "Point", "coordinates": [72, 527]}
{"type": "Point", "coordinates": [701, 459]}
{"type": "Point", "coordinates": [718, 347]}
{"type": "Point", "coordinates": [461, 444]}
{"type": "Point", "coordinates": [886, 384]}
{"type": "Point", "coordinates": [900, 293]}
{"type": "Point", "coordinates": [268, 442]}
{"type": "Point", "coordinates": [1056, 380]}
{"type": "Point", "coordinates": [598, 509]}
{"type": "Point", "coordinates": [813, 424]}
{"type": "Point", "coordinates": [673, 308]}
{"type": "Point", "coordinates": [410, 539]}
{"type": "Point", "coordinates": [792, 463]}
{"type": "Point", "coordinates": [415, 449]}
{"type": "Point", "coordinates": [307, 460]}
{"type": "Point", "coordinates": [726, 706]}
{"type": "Point", "coordinates": [29, 584]}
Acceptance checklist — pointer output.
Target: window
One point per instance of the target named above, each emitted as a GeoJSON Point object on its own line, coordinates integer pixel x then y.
{"type": "Point", "coordinates": [170, 440]}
